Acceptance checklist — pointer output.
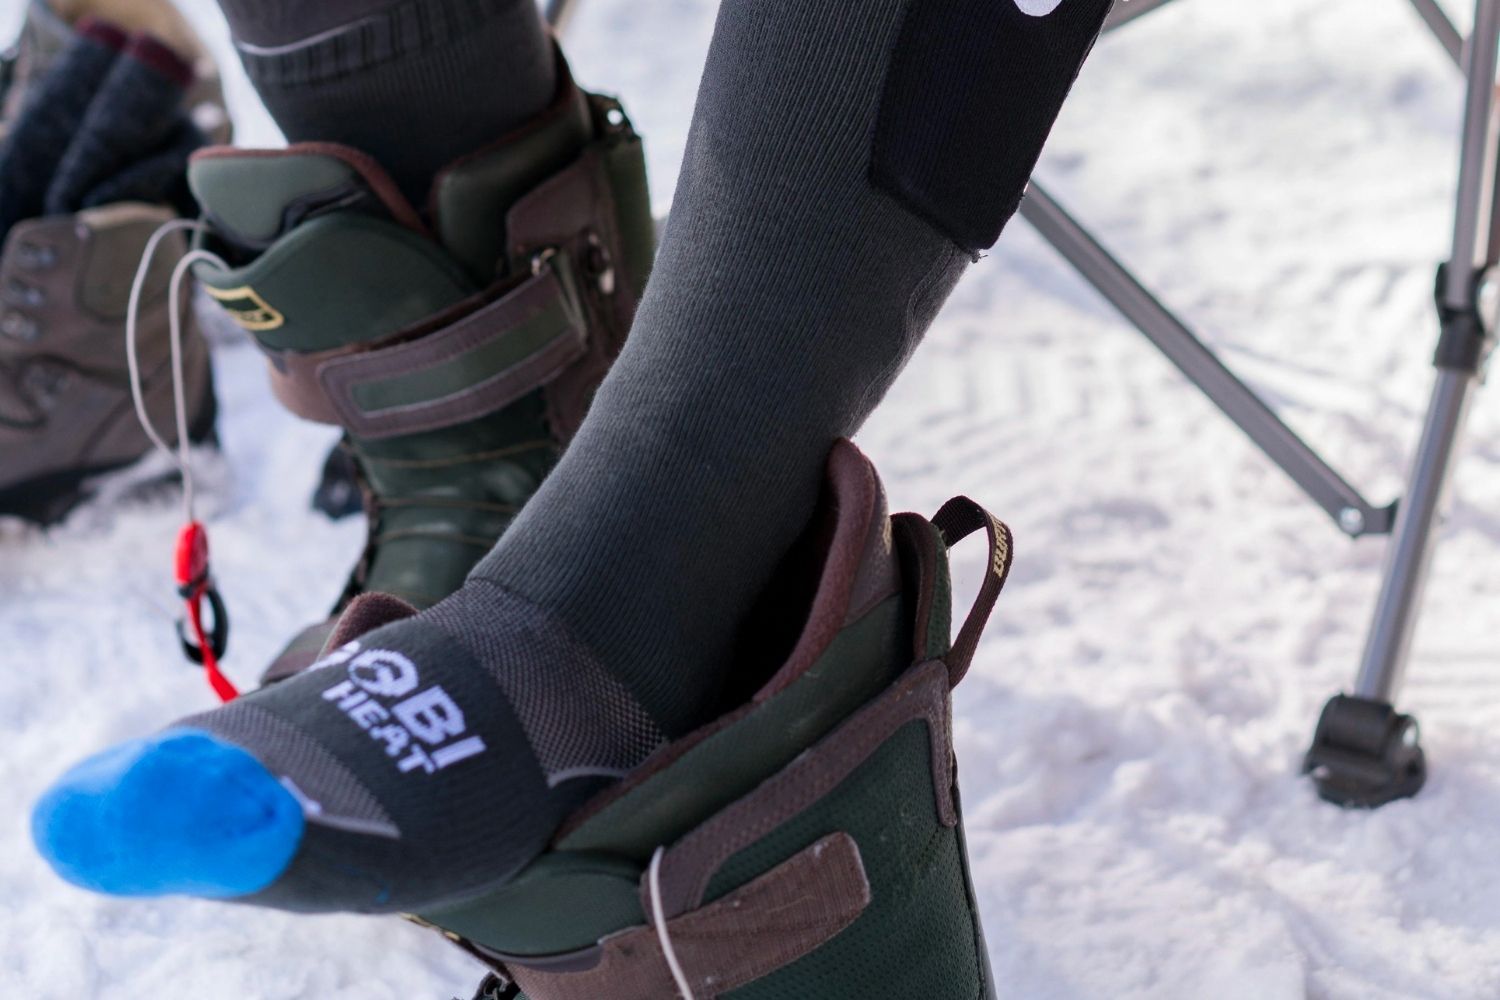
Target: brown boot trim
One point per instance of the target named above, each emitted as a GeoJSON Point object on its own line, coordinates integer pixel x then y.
{"type": "Point", "coordinates": [765, 925]}
{"type": "Point", "coordinates": [321, 386]}
{"type": "Point", "coordinates": [861, 570]}
{"type": "Point", "coordinates": [920, 695]}
{"type": "Point", "coordinates": [366, 166]}
{"type": "Point", "coordinates": [851, 478]}
{"type": "Point", "coordinates": [530, 301]}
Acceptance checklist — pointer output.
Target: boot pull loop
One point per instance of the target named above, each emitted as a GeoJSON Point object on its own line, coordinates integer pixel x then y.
{"type": "Point", "coordinates": [958, 519]}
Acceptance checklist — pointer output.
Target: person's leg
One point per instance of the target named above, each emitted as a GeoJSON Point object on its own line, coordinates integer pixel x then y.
{"type": "Point", "coordinates": [414, 83]}
{"type": "Point", "coordinates": [846, 161]}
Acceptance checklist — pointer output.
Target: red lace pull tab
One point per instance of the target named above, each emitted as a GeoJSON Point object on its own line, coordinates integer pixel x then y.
{"type": "Point", "coordinates": [192, 557]}
{"type": "Point", "coordinates": [195, 585]}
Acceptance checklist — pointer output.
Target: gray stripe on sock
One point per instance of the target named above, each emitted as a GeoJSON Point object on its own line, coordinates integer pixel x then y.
{"type": "Point", "coordinates": [287, 751]}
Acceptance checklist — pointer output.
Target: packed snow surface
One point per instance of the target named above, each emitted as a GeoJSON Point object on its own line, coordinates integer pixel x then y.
{"type": "Point", "coordinates": [1283, 172]}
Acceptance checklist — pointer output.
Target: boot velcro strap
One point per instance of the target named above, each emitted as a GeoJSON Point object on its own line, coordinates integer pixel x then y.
{"type": "Point", "coordinates": [480, 362]}
{"type": "Point", "coordinates": [765, 925]}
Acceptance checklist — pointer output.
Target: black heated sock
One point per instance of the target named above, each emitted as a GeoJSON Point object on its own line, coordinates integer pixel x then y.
{"type": "Point", "coordinates": [414, 83]}
{"type": "Point", "coordinates": [54, 109]}
{"type": "Point", "coordinates": [134, 138]}
{"type": "Point", "coordinates": [158, 177]}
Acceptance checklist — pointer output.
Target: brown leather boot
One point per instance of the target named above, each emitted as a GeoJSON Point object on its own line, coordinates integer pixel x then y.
{"type": "Point", "coordinates": [66, 415]}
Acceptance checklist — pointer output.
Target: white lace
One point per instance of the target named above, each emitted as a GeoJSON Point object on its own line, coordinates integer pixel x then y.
{"type": "Point", "coordinates": [182, 455]}
{"type": "Point", "coordinates": [659, 918]}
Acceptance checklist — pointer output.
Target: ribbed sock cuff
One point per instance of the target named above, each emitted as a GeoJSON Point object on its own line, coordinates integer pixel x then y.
{"type": "Point", "coordinates": [365, 41]}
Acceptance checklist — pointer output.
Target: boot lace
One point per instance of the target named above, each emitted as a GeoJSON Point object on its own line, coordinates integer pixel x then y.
{"type": "Point", "coordinates": [181, 456]}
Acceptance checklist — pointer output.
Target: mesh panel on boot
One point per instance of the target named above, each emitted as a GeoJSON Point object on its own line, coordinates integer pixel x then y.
{"type": "Point", "coordinates": [589, 724]}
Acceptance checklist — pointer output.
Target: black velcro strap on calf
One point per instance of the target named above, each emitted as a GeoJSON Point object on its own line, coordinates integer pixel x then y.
{"type": "Point", "coordinates": [973, 90]}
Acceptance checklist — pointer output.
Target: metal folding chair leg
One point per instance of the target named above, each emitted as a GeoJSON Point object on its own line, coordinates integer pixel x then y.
{"type": "Point", "coordinates": [1364, 753]}
{"type": "Point", "coordinates": [1354, 514]}
{"type": "Point", "coordinates": [1392, 764]}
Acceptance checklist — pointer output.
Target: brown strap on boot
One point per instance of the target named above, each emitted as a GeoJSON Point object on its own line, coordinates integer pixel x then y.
{"type": "Point", "coordinates": [769, 923]}
{"type": "Point", "coordinates": [477, 363]}
{"type": "Point", "coordinates": [763, 926]}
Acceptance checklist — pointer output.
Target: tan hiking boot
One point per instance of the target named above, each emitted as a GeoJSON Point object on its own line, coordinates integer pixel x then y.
{"type": "Point", "coordinates": [66, 414]}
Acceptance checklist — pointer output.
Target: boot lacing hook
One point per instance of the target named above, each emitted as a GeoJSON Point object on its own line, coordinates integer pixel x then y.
{"type": "Point", "coordinates": [194, 579]}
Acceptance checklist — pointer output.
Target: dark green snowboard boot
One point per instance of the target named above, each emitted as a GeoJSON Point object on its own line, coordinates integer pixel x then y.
{"type": "Point", "coordinates": [806, 845]}
{"type": "Point", "coordinates": [458, 348]}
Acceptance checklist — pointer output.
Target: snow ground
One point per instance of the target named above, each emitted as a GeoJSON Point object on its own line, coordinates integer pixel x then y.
{"type": "Point", "coordinates": [1283, 172]}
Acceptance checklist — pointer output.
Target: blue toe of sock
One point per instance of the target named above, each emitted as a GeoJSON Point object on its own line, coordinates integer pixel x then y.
{"type": "Point", "coordinates": [180, 813]}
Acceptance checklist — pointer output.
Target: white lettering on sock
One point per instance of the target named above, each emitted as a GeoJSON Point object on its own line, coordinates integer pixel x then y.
{"type": "Point", "coordinates": [369, 713]}
{"type": "Point", "coordinates": [455, 752]}
{"type": "Point", "coordinates": [347, 695]}
{"type": "Point", "coordinates": [426, 725]}
{"type": "Point", "coordinates": [384, 673]}
{"type": "Point", "coordinates": [337, 658]}
{"type": "Point", "coordinates": [394, 737]}
{"type": "Point", "coordinates": [339, 691]}
{"type": "Point", "coordinates": [431, 716]}
{"type": "Point", "coordinates": [417, 758]}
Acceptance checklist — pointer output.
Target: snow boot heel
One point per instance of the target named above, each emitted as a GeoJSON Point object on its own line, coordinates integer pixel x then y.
{"type": "Point", "coordinates": [806, 845]}
{"type": "Point", "coordinates": [457, 348]}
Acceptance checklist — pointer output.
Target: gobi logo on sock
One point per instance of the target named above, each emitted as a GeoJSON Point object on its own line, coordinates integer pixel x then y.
{"type": "Point", "coordinates": [424, 729]}
{"type": "Point", "coordinates": [246, 307]}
